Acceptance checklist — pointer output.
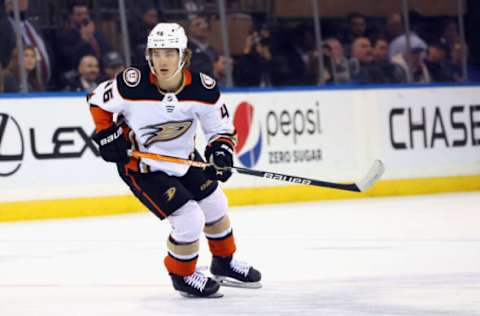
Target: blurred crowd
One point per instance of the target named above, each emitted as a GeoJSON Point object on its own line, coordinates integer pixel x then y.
{"type": "Point", "coordinates": [358, 50]}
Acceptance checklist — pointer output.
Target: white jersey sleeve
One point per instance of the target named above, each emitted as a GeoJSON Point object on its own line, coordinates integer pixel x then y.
{"type": "Point", "coordinates": [215, 119]}
{"type": "Point", "coordinates": [107, 97]}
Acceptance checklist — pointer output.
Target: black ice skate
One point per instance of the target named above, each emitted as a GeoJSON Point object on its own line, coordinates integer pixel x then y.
{"type": "Point", "coordinates": [196, 285]}
{"type": "Point", "coordinates": [229, 272]}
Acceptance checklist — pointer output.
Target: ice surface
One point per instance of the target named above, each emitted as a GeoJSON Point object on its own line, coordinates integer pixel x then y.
{"type": "Point", "coordinates": [388, 256]}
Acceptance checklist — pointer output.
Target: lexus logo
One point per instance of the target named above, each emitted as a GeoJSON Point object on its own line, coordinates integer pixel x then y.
{"type": "Point", "coordinates": [12, 146]}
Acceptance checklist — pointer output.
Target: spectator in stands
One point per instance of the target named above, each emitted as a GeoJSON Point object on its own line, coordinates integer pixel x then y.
{"type": "Point", "coordinates": [253, 66]}
{"type": "Point", "coordinates": [362, 68]}
{"type": "Point", "coordinates": [203, 54]}
{"type": "Point", "coordinates": [336, 64]}
{"type": "Point", "coordinates": [79, 38]}
{"type": "Point", "coordinates": [399, 44]}
{"type": "Point", "coordinates": [450, 34]}
{"type": "Point", "coordinates": [30, 34]}
{"type": "Point", "coordinates": [437, 63]}
{"type": "Point", "coordinates": [291, 54]}
{"type": "Point", "coordinates": [11, 75]}
{"type": "Point", "coordinates": [357, 27]}
{"type": "Point", "coordinates": [392, 73]}
{"type": "Point", "coordinates": [86, 78]}
{"type": "Point", "coordinates": [456, 64]}
{"type": "Point", "coordinates": [112, 64]}
{"type": "Point", "coordinates": [193, 8]}
{"type": "Point", "coordinates": [220, 67]}
{"type": "Point", "coordinates": [418, 71]}
{"type": "Point", "coordinates": [141, 27]}
{"type": "Point", "coordinates": [380, 49]}
{"type": "Point", "coordinates": [394, 27]}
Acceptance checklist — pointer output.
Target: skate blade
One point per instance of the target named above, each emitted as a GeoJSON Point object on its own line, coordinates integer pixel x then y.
{"type": "Point", "coordinates": [188, 295]}
{"type": "Point", "coordinates": [229, 282]}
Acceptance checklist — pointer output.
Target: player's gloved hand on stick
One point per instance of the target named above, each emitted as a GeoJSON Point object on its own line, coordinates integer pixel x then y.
{"type": "Point", "coordinates": [219, 152]}
{"type": "Point", "coordinates": [112, 145]}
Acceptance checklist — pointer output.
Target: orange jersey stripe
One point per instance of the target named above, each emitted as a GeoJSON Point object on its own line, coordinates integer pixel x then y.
{"type": "Point", "coordinates": [154, 205]}
{"type": "Point", "coordinates": [131, 165]}
{"type": "Point", "coordinates": [139, 189]}
{"type": "Point", "coordinates": [102, 119]}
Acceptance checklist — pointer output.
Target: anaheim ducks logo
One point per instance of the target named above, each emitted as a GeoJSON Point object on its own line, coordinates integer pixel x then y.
{"type": "Point", "coordinates": [165, 131]}
{"type": "Point", "coordinates": [207, 82]}
{"type": "Point", "coordinates": [132, 76]}
{"type": "Point", "coordinates": [170, 193]}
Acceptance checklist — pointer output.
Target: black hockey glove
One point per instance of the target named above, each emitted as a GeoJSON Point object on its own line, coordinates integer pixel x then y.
{"type": "Point", "coordinates": [220, 153]}
{"type": "Point", "coordinates": [113, 146]}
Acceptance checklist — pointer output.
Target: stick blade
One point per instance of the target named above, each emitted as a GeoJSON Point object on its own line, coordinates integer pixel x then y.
{"type": "Point", "coordinates": [375, 172]}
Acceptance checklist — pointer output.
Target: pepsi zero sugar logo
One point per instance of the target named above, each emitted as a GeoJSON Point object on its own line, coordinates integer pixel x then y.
{"type": "Point", "coordinates": [285, 128]}
{"type": "Point", "coordinates": [11, 145]}
{"type": "Point", "coordinates": [289, 156]}
{"type": "Point", "coordinates": [293, 123]}
{"type": "Point", "coordinates": [242, 120]}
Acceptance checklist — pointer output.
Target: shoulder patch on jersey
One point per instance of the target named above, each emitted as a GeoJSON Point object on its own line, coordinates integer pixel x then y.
{"type": "Point", "coordinates": [198, 91]}
{"type": "Point", "coordinates": [132, 76]}
{"type": "Point", "coordinates": [207, 82]}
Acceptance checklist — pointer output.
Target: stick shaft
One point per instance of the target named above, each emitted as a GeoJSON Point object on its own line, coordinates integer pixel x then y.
{"type": "Point", "coordinates": [262, 174]}
{"type": "Point", "coordinates": [139, 154]}
{"type": "Point", "coordinates": [295, 179]}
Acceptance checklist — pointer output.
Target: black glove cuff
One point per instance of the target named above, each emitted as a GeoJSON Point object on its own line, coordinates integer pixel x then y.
{"type": "Point", "coordinates": [112, 145]}
{"type": "Point", "coordinates": [107, 136]}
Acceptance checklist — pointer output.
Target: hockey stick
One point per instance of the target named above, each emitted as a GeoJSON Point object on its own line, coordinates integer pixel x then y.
{"type": "Point", "coordinates": [374, 173]}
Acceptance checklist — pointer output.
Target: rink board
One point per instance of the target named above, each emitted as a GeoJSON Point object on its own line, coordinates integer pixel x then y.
{"type": "Point", "coordinates": [120, 204]}
{"type": "Point", "coordinates": [428, 138]}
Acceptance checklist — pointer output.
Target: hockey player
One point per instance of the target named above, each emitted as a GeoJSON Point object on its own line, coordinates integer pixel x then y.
{"type": "Point", "coordinates": [158, 108]}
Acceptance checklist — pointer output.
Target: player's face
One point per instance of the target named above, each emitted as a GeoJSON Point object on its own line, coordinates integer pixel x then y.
{"type": "Point", "coordinates": [165, 62]}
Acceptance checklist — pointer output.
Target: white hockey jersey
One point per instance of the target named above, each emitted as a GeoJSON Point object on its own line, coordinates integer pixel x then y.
{"type": "Point", "coordinates": [164, 123]}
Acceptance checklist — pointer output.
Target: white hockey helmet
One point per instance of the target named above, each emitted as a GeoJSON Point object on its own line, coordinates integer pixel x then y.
{"type": "Point", "coordinates": [167, 35]}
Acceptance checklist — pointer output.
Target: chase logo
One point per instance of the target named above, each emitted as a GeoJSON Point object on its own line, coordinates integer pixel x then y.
{"type": "Point", "coordinates": [249, 145]}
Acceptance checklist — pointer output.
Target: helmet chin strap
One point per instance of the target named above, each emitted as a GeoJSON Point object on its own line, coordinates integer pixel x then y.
{"type": "Point", "coordinates": [179, 68]}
